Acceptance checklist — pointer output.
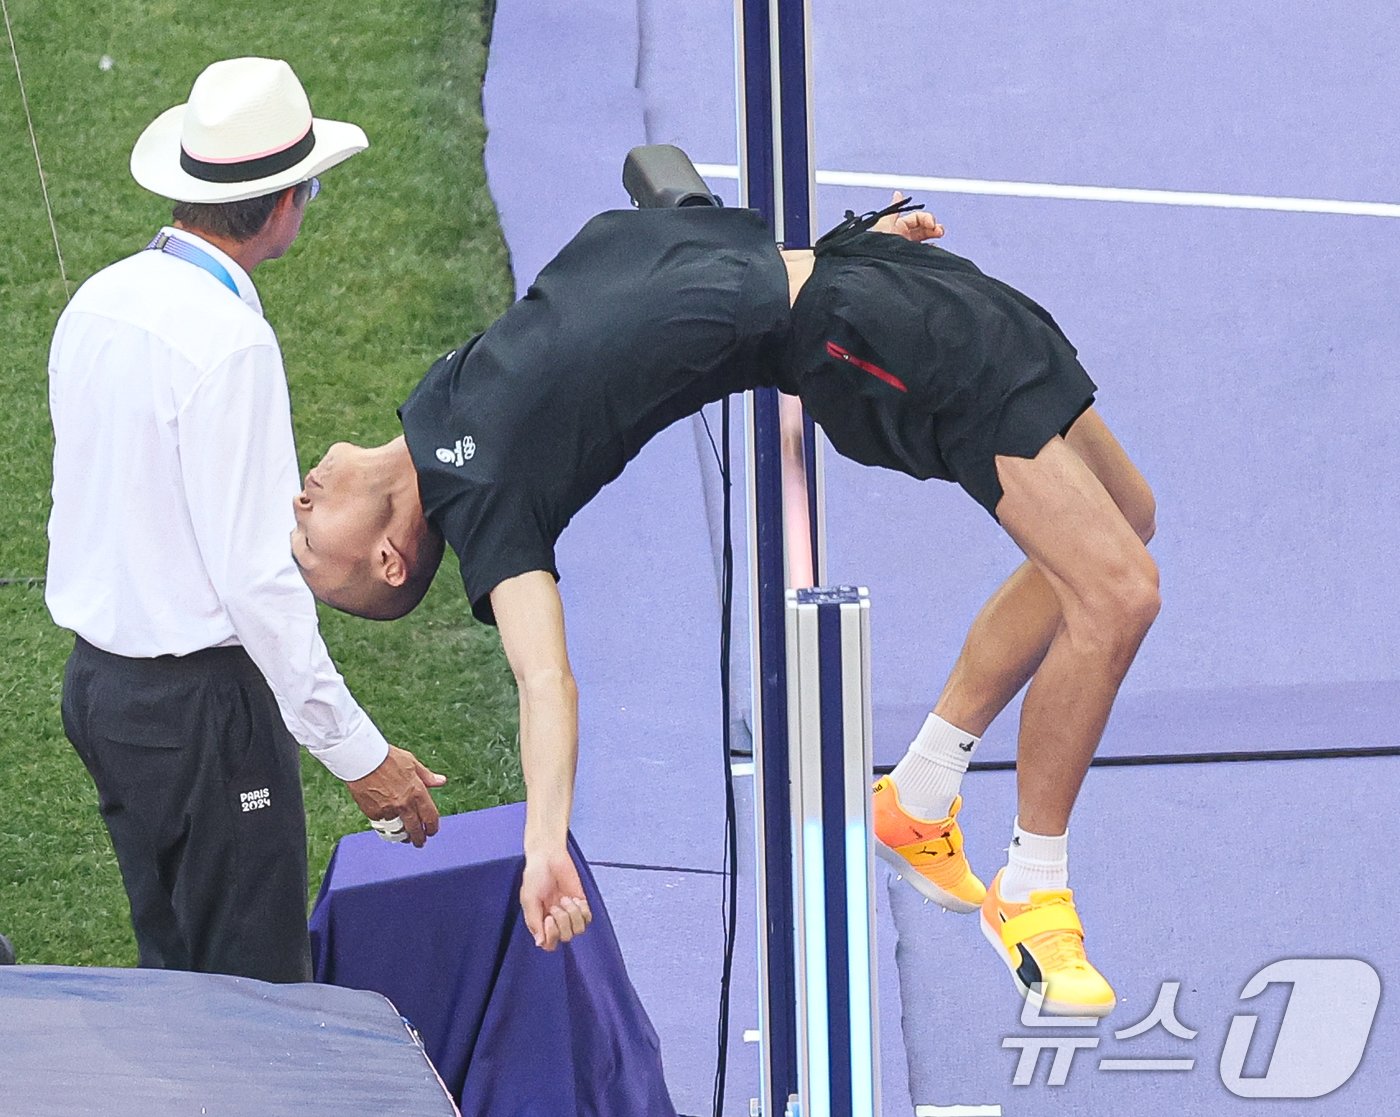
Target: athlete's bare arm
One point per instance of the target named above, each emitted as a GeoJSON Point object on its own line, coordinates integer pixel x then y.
{"type": "Point", "coordinates": [530, 617]}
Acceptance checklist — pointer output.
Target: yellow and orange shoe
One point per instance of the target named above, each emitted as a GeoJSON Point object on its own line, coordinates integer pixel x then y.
{"type": "Point", "coordinates": [1042, 944]}
{"type": "Point", "coordinates": [927, 853]}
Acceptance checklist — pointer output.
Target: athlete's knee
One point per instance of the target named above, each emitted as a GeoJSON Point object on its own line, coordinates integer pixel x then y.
{"type": "Point", "coordinates": [1146, 595]}
{"type": "Point", "coordinates": [1122, 600]}
{"type": "Point", "coordinates": [1135, 596]}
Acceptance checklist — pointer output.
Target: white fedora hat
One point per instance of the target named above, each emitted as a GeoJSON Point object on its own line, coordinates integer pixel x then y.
{"type": "Point", "coordinates": [246, 130]}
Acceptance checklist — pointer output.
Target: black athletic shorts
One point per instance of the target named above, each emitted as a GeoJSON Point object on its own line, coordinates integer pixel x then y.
{"type": "Point", "coordinates": [911, 358]}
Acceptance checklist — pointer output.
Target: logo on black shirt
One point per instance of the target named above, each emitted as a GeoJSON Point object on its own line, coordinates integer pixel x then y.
{"type": "Point", "coordinates": [463, 451]}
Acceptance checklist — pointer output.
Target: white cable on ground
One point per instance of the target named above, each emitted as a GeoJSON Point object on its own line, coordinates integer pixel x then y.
{"type": "Point", "coordinates": [34, 141]}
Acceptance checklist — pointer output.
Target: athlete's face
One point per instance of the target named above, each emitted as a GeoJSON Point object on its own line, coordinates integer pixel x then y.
{"type": "Point", "coordinates": [339, 518]}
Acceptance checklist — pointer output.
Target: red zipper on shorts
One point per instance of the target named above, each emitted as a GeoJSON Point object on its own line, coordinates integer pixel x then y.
{"type": "Point", "coordinates": [834, 350]}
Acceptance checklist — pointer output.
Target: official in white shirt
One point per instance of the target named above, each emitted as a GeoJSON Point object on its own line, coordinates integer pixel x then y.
{"type": "Point", "coordinates": [198, 663]}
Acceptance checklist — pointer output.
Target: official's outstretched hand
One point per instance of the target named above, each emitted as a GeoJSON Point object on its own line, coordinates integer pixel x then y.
{"type": "Point", "coordinates": [398, 788]}
{"type": "Point", "coordinates": [551, 896]}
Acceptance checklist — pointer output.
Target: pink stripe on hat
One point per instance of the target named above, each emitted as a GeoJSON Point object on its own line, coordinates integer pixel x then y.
{"type": "Point", "coordinates": [254, 155]}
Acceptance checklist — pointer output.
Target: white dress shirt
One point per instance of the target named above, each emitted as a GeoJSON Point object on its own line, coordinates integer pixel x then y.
{"type": "Point", "coordinates": [174, 474]}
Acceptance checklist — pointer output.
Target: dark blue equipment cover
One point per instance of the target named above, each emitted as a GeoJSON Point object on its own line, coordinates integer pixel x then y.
{"type": "Point", "coordinates": [515, 1032]}
{"type": "Point", "coordinates": [154, 1043]}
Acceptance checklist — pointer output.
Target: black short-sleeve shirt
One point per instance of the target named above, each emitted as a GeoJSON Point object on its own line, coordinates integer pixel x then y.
{"type": "Point", "coordinates": [642, 319]}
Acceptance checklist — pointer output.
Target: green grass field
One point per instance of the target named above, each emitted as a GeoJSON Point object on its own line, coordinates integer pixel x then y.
{"type": "Point", "coordinates": [399, 259]}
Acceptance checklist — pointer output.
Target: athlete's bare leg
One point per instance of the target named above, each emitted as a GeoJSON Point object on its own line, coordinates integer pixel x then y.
{"type": "Point", "coordinates": [1104, 582]}
{"type": "Point", "coordinates": [1012, 632]}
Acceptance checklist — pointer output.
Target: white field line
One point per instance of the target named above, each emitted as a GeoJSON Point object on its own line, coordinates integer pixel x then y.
{"type": "Point", "coordinates": [957, 1111]}
{"type": "Point", "coordinates": [934, 185]}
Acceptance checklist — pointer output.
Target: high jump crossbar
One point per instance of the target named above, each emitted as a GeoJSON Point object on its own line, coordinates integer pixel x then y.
{"type": "Point", "coordinates": [811, 700]}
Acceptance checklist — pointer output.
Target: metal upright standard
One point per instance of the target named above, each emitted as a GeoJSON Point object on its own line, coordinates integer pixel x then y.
{"type": "Point", "coordinates": [760, 186]}
{"type": "Point", "coordinates": [815, 917]}
{"type": "Point", "coordinates": [828, 654]}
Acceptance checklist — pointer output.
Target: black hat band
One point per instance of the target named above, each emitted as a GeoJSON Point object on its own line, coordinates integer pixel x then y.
{"type": "Point", "coordinates": [249, 170]}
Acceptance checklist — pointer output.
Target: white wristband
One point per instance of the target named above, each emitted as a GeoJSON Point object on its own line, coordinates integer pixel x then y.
{"type": "Point", "coordinates": [390, 829]}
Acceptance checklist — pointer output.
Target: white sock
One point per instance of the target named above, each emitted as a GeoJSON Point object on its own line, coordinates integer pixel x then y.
{"type": "Point", "coordinates": [1034, 862]}
{"type": "Point", "coordinates": [931, 772]}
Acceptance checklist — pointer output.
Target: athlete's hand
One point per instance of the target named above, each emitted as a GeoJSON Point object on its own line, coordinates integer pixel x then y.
{"type": "Point", "coordinates": [398, 788]}
{"type": "Point", "coordinates": [551, 896]}
{"type": "Point", "coordinates": [916, 225]}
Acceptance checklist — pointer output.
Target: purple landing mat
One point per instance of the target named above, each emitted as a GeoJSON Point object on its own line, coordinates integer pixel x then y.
{"type": "Point", "coordinates": [152, 1043]}
{"type": "Point", "coordinates": [1202, 874]}
{"type": "Point", "coordinates": [686, 75]}
{"type": "Point", "coordinates": [1258, 435]}
{"type": "Point", "coordinates": [643, 620]}
{"type": "Point", "coordinates": [634, 794]}
{"type": "Point", "coordinates": [1277, 626]}
{"type": "Point", "coordinates": [1246, 367]}
{"type": "Point", "coordinates": [1187, 95]}
{"type": "Point", "coordinates": [670, 927]}
{"type": "Point", "coordinates": [1268, 553]}
{"type": "Point", "coordinates": [637, 577]}
{"type": "Point", "coordinates": [562, 111]}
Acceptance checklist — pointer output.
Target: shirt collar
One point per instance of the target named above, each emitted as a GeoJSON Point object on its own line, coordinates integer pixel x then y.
{"type": "Point", "coordinates": [246, 291]}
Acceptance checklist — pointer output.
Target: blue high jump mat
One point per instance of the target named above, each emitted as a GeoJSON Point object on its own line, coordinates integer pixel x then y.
{"type": "Point", "coordinates": [82, 1042]}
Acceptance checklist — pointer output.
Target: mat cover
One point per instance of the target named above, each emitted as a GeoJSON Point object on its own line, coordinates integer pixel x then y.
{"type": "Point", "coordinates": [83, 1042]}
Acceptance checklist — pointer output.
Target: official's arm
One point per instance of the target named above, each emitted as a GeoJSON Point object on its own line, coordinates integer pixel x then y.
{"type": "Point", "coordinates": [238, 463]}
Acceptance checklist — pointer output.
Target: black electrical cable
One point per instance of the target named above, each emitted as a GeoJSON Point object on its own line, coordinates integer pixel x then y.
{"type": "Point", "coordinates": [729, 903]}
{"type": "Point", "coordinates": [1357, 752]}
{"type": "Point", "coordinates": [654, 172]}
{"type": "Point", "coordinates": [731, 832]}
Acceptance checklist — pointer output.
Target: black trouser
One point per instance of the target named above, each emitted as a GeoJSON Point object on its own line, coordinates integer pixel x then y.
{"type": "Point", "coordinates": [199, 784]}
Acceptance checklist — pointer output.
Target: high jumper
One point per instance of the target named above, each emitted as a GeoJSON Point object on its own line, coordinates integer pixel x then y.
{"type": "Point", "coordinates": [909, 357]}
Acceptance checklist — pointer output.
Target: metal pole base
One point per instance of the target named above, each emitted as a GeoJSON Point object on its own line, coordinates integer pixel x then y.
{"type": "Point", "coordinates": [828, 657]}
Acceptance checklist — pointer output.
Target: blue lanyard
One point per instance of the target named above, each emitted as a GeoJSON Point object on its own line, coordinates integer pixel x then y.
{"type": "Point", "coordinates": [183, 250]}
